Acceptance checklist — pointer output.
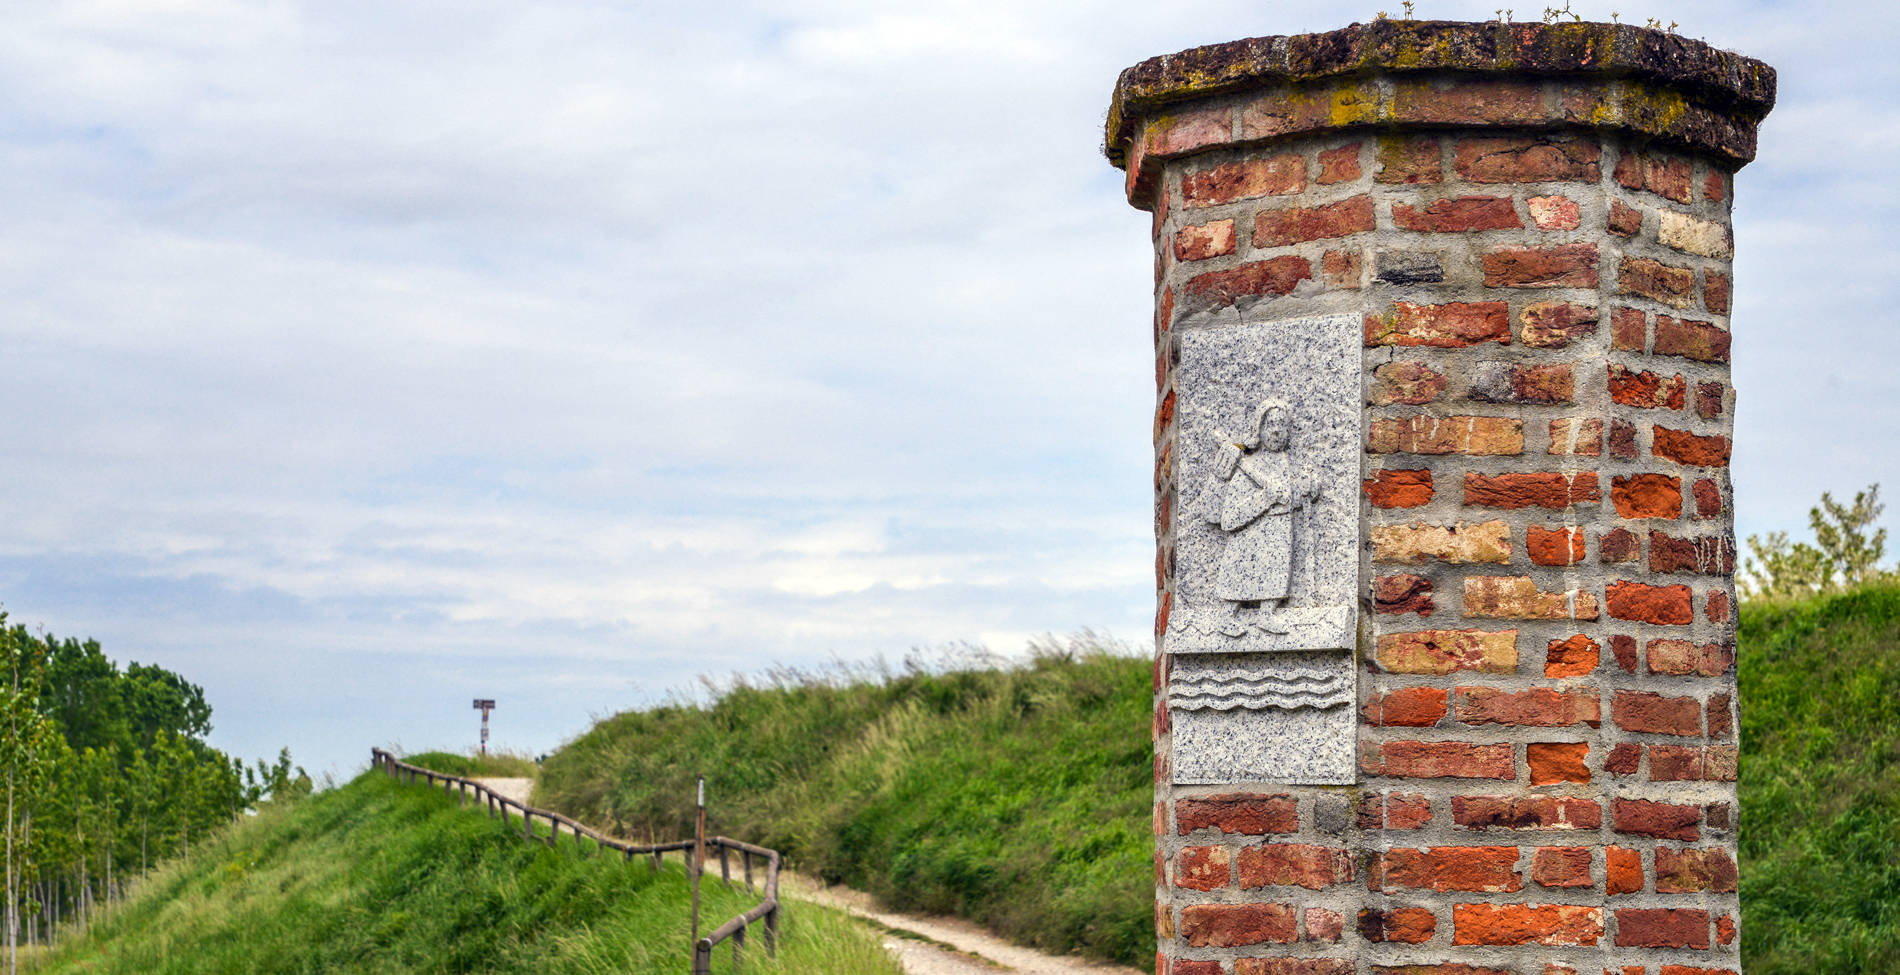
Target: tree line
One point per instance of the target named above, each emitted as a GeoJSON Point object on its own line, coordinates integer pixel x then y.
{"type": "Point", "coordinates": [105, 773]}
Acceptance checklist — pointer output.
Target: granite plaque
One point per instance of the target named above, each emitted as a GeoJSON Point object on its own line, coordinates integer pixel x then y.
{"type": "Point", "coordinates": [1264, 619]}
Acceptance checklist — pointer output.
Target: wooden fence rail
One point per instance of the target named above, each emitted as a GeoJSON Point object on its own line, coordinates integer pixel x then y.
{"type": "Point", "coordinates": [766, 914]}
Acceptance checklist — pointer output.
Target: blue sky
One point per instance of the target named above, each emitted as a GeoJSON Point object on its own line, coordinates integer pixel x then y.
{"type": "Point", "coordinates": [364, 358]}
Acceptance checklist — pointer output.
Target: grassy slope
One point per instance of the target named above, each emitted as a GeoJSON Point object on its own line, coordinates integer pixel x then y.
{"type": "Point", "coordinates": [381, 877]}
{"type": "Point", "coordinates": [1020, 799]}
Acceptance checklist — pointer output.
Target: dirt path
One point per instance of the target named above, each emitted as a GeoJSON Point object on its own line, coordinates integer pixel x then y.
{"type": "Point", "coordinates": [516, 789]}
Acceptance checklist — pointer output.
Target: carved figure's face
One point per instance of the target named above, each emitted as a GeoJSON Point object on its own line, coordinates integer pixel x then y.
{"type": "Point", "coordinates": [1275, 431]}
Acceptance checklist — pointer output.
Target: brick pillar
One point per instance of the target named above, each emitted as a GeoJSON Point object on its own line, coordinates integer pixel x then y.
{"type": "Point", "coordinates": [1519, 237]}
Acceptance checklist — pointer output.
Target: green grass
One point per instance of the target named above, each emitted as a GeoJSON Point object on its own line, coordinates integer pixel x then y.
{"type": "Point", "coordinates": [495, 765]}
{"type": "Point", "coordinates": [1018, 798]}
{"type": "Point", "coordinates": [378, 876]}
{"type": "Point", "coordinates": [1820, 785]}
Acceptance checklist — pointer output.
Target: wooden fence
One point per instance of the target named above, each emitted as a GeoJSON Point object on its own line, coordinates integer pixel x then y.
{"type": "Point", "coordinates": [766, 914]}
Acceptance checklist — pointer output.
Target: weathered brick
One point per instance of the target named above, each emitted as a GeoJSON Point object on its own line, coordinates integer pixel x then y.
{"type": "Point", "coordinates": [1629, 329]}
{"type": "Point", "coordinates": [1184, 132]}
{"type": "Point", "coordinates": [1659, 820]}
{"type": "Point", "coordinates": [1339, 165]}
{"type": "Point", "coordinates": [1721, 716]}
{"type": "Point", "coordinates": [1399, 489]}
{"type": "Point", "coordinates": [1441, 652]}
{"type": "Point", "coordinates": [1714, 186]}
{"type": "Point", "coordinates": [1453, 325]}
{"type": "Point", "coordinates": [1559, 266]}
{"type": "Point", "coordinates": [1571, 657]}
{"type": "Point", "coordinates": [1693, 235]}
{"type": "Point", "coordinates": [1478, 101]}
{"type": "Point", "coordinates": [1662, 175]}
{"type": "Point", "coordinates": [1240, 813]}
{"type": "Point", "coordinates": [1624, 759]}
{"type": "Point", "coordinates": [1619, 545]}
{"type": "Point", "coordinates": [1690, 449]}
{"type": "Point", "coordinates": [1296, 224]}
{"type": "Point", "coordinates": [1517, 597]}
{"type": "Point", "coordinates": [1459, 544]}
{"type": "Point", "coordinates": [1403, 593]}
{"type": "Point", "coordinates": [1683, 658]}
{"type": "Point", "coordinates": [1394, 810]}
{"type": "Point", "coordinates": [1275, 276]}
{"type": "Point", "coordinates": [1623, 871]}
{"type": "Point", "coordinates": [1623, 647]}
{"type": "Point", "coordinates": [1527, 160]}
{"type": "Point", "coordinates": [1645, 389]}
{"type": "Point", "coordinates": [1551, 490]}
{"type": "Point", "coordinates": [1555, 324]}
{"type": "Point", "coordinates": [1458, 215]}
{"type": "Point", "coordinates": [1576, 436]}
{"type": "Point", "coordinates": [1554, 546]}
{"type": "Point", "coordinates": [1666, 928]}
{"type": "Point", "coordinates": [1642, 603]}
{"type": "Point", "coordinates": [1622, 440]}
{"type": "Point", "coordinates": [1474, 869]}
{"type": "Point", "coordinates": [1438, 760]}
{"type": "Point", "coordinates": [1202, 241]}
{"type": "Point", "coordinates": [1525, 812]}
{"type": "Point", "coordinates": [1647, 711]}
{"type": "Point", "coordinates": [1293, 966]}
{"type": "Point", "coordinates": [1562, 866]}
{"type": "Point", "coordinates": [1692, 763]}
{"type": "Point", "coordinates": [1411, 383]}
{"type": "Point", "coordinates": [1716, 609]}
{"type": "Point", "coordinates": [1203, 867]}
{"type": "Point", "coordinates": [1554, 762]}
{"type": "Point", "coordinates": [1185, 966]}
{"type": "Point", "coordinates": [1232, 925]}
{"type": "Point", "coordinates": [1708, 399]}
{"type": "Point", "coordinates": [1404, 925]}
{"type": "Point", "coordinates": [1483, 436]}
{"type": "Point", "coordinates": [1715, 291]}
{"type": "Point", "coordinates": [1408, 267]}
{"type": "Point", "coordinates": [1273, 176]}
{"type": "Point", "coordinates": [1712, 555]}
{"type": "Point", "coordinates": [1689, 339]}
{"type": "Point", "coordinates": [1693, 970]}
{"type": "Point", "coordinates": [1445, 968]}
{"type": "Point", "coordinates": [1535, 384]}
{"type": "Point", "coordinates": [1724, 935]}
{"type": "Point", "coordinates": [1411, 161]}
{"type": "Point", "coordinates": [1674, 286]}
{"type": "Point", "coordinates": [1647, 495]}
{"type": "Point", "coordinates": [1342, 268]}
{"type": "Point", "coordinates": [1537, 707]}
{"type": "Point", "coordinates": [1554, 212]}
{"type": "Point", "coordinates": [1624, 220]}
{"type": "Point", "coordinates": [1524, 924]}
{"type": "Point", "coordinates": [1324, 925]}
{"type": "Point", "coordinates": [1293, 864]}
{"type": "Point", "coordinates": [1708, 498]}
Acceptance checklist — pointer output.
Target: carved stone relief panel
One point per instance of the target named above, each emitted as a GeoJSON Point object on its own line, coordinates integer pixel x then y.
{"type": "Point", "coordinates": [1265, 617]}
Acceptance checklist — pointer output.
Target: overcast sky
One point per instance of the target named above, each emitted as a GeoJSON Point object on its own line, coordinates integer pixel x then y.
{"type": "Point", "coordinates": [364, 358]}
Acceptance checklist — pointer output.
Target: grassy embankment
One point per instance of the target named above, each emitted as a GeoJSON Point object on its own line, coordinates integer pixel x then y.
{"type": "Point", "coordinates": [1021, 799]}
{"type": "Point", "coordinates": [378, 876]}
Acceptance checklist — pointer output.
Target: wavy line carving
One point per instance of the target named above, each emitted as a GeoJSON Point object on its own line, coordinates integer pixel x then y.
{"type": "Point", "coordinates": [1258, 690]}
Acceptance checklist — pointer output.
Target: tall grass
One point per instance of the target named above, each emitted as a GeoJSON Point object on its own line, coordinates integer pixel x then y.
{"type": "Point", "coordinates": [495, 764]}
{"type": "Point", "coordinates": [379, 876]}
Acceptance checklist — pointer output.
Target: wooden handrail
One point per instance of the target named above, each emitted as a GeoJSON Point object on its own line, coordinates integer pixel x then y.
{"type": "Point", "coordinates": [733, 930]}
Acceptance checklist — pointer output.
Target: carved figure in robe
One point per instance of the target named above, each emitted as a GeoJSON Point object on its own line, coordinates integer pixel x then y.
{"type": "Point", "coordinates": [1258, 490]}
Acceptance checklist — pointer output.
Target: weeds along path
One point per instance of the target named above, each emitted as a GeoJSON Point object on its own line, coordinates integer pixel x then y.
{"type": "Point", "coordinates": [975, 950]}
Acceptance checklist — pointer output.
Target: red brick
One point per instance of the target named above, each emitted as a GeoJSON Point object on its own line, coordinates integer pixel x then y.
{"type": "Point", "coordinates": [1438, 760]}
{"type": "Point", "coordinates": [1411, 383]}
{"type": "Point", "coordinates": [1725, 933]}
{"type": "Point", "coordinates": [1646, 390]}
{"type": "Point", "coordinates": [1714, 186]}
{"type": "Point", "coordinates": [1543, 490]}
{"type": "Point", "coordinates": [1187, 967]}
{"type": "Point", "coordinates": [1625, 220]}
{"type": "Point", "coordinates": [1562, 866]}
{"type": "Point", "coordinates": [1659, 820]}
{"type": "Point", "coordinates": [1405, 925]}
{"type": "Point", "coordinates": [1624, 647]}
{"type": "Point", "coordinates": [1444, 968]}
{"type": "Point", "coordinates": [1642, 603]}
{"type": "Point", "coordinates": [1525, 812]}
{"type": "Point", "coordinates": [1409, 160]}
{"type": "Point", "coordinates": [1410, 707]}
{"type": "Point", "coordinates": [1560, 266]}
{"type": "Point", "coordinates": [1554, 546]}
{"type": "Point", "coordinates": [1717, 609]}
{"type": "Point", "coordinates": [1276, 276]}
{"type": "Point", "coordinates": [1296, 224]}
{"type": "Point", "coordinates": [1452, 325]}
{"type": "Point", "coordinates": [1441, 652]}
{"type": "Point", "coordinates": [1242, 813]}
{"type": "Point", "coordinates": [1554, 762]}
{"type": "Point", "coordinates": [1527, 160]}
{"type": "Point", "coordinates": [1624, 759]}
{"type": "Point", "coordinates": [1674, 286]}
{"type": "Point", "coordinates": [1202, 241]}
{"type": "Point", "coordinates": [1394, 810]}
{"type": "Point", "coordinates": [1619, 545]}
{"type": "Point", "coordinates": [1647, 711]}
{"type": "Point", "coordinates": [1629, 330]}
{"type": "Point", "coordinates": [1708, 498]}
{"type": "Point", "coordinates": [1538, 707]}
{"type": "Point", "coordinates": [1518, 598]}
{"type": "Point", "coordinates": [1399, 489]}
{"type": "Point", "coordinates": [1293, 864]}
{"type": "Point", "coordinates": [1720, 716]}
{"type": "Point", "coordinates": [1708, 554]}
{"type": "Point", "coordinates": [1622, 440]}
{"type": "Point", "coordinates": [1469, 102]}
{"type": "Point", "coordinates": [1293, 966]}
{"type": "Point", "coordinates": [1487, 436]}
{"type": "Point", "coordinates": [1279, 175]}
{"type": "Point", "coordinates": [1231, 925]}
{"type": "Point", "coordinates": [1203, 867]}
{"type": "Point", "coordinates": [1324, 925]}
{"type": "Point", "coordinates": [1687, 448]}
{"type": "Point", "coordinates": [1458, 215]}
{"type": "Point", "coordinates": [1524, 924]}
{"type": "Point", "coordinates": [1476, 869]}
{"type": "Point", "coordinates": [1690, 339]}
{"type": "Point", "coordinates": [1645, 928]}
{"type": "Point", "coordinates": [1403, 594]}
{"type": "Point", "coordinates": [1647, 495]}
{"type": "Point", "coordinates": [1719, 816]}
{"type": "Point", "coordinates": [1572, 657]}
{"type": "Point", "coordinates": [1339, 165]}
{"type": "Point", "coordinates": [1689, 970]}
{"type": "Point", "coordinates": [1185, 132]}
{"type": "Point", "coordinates": [1341, 269]}
{"type": "Point", "coordinates": [1554, 212]}
{"type": "Point", "coordinates": [1715, 292]}
{"type": "Point", "coordinates": [1588, 434]}
{"type": "Point", "coordinates": [1682, 658]}
{"type": "Point", "coordinates": [1663, 175]}
{"type": "Point", "coordinates": [1537, 384]}
{"type": "Point", "coordinates": [1555, 324]}
{"type": "Point", "coordinates": [1623, 871]}
{"type": "Point", "coordinates": [1692, 763]}
{"type": "Point", "coordinates": [1708, 399]}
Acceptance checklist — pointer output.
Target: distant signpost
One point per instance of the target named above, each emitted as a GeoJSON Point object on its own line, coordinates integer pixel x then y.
{"type": "Point", "coordinates": [484, 705]}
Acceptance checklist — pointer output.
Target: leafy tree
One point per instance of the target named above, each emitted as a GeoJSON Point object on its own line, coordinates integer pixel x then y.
{"type": "Point", "coordinates": [1846, 552]}
{"type": "Point", "coordinates": [26, 737]}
